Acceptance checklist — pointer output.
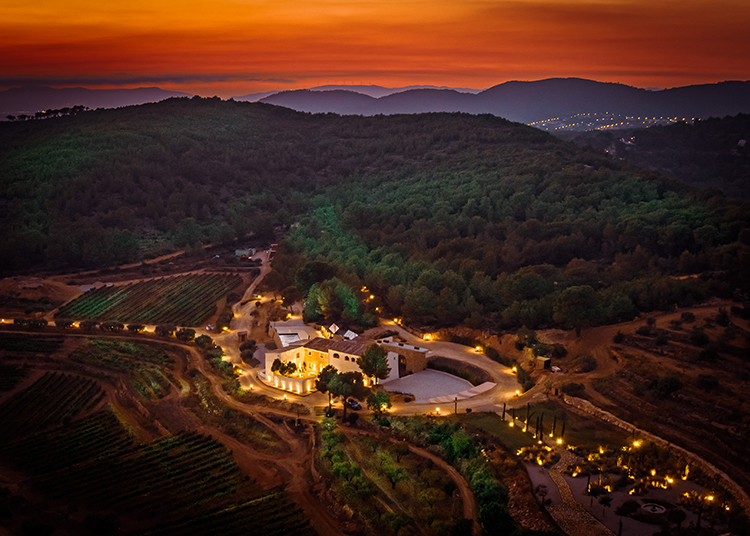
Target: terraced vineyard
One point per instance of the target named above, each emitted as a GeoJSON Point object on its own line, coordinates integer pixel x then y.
{"type": "Point", "coordinates": [97, 435]}
{"type": "Point", "coordinates": [182, 300]}
{"type": "Point", "coordinates": [270, 515]}
{"type": "Point", "coordinates": [180, 471]}
{"type": "Point", "coordinates": [19, 342]}
{"type": "Point", "coordinates": [149, 369]}
{"type": "Point", "coordinates": [52, 400]}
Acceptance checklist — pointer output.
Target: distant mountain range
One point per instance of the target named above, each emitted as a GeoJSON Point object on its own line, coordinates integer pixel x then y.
{"type": "Point", "coordinates": [372, 91]}
{"type": "Point", "coordinates": [31, 99]}
{"type": "Point", "coordinates": [528, 102]}
{"type": "Point", "coordinates": [524, 102]}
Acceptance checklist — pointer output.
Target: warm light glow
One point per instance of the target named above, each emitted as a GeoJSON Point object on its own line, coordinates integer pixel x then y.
{"type": "Point", "coordinates": [710, 497]}
{"type": "Point", "coordinates": [559, 441]}
{"type": "Point", "coordinates": [230, 47]}
{"type": "Point", "coordinates": [636, 444]}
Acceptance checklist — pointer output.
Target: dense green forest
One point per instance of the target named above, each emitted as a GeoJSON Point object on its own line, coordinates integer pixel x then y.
{"type": "Point", "coordinates": [707, 154]}
{"type": "Point", "coordinates": [445, 218]}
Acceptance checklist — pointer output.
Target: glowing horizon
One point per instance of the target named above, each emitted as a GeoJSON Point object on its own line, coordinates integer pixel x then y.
{"type": "Point", "coordinates": [234, 47]}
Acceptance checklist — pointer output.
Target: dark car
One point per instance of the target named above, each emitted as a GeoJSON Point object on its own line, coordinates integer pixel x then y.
{"type": "Point", "coordinates": [353, 404]}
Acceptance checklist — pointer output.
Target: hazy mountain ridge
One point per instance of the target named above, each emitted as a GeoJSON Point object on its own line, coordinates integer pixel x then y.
{"type": "Point", "coordinates": [370, 90]}
{"type": "Point", "coordinates": [31, 99]}
{"type": "Point", "coordinates": [528, 102]}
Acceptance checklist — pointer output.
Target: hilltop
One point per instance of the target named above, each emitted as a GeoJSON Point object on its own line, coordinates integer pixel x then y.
{"type": "Point", "coordinates": [448, 218]}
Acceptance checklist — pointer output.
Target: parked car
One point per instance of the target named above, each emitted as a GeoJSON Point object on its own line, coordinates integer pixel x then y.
{"type": "Point", "coordinates": [353, 404]}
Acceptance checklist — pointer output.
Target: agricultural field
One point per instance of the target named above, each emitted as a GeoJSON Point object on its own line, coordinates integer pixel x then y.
{"type": "Point", "coordinates": [182, 470]}
{"type": "Point", "coordinates": [19, 342]}
{"type": "Point", "coordinates": [96, 435]}
{"type": "Point", "coordinates": [147, 368]}
{"type": "Point", "coordinates": [188, 300]}
{"type": "Point", "coordinates": [270, 515]}
{"type": "Point", "coordinates": [78, 459]}
{"type": "Point", "coordinates": [10, 375]}
{"type": "Point", "coordinates": [53, 400]}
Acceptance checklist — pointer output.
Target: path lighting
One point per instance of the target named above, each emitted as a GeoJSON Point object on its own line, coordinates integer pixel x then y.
{"type": "Point", "coordinates": [518, 393]}
{"type": "Point", "coordinates": [559, 441]}
{"type": "Point", "coordinates": [437, 410]}
{"type": "Point", "coordinates": [636, 444]}
{"type": "Point", "coordinates": [515, 369]}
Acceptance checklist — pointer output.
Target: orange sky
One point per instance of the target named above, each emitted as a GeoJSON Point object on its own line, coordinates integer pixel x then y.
{"type": "Point", "coordinates": [233, 47]}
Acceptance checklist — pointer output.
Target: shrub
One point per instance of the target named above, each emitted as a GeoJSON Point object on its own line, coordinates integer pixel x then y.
{"type": "Point", "coordinates": [249, 345]}
{"type": "Point", "coordinates": [644, 331]}
{"type": "Point", "coordinates": [722, 318]}
{"type": "Point", "coordinates": [111, 326]}
{"type": "Point", "coordinates": [707, 382]}
{"type": "Point", "coordinates": [559, 351]}
{"type": "Point", "coordinates": [88, 325]}
{"type": "Point", "coordinates": [627, 508]}
{"type": "Point", "coordinates": [699, 337]}
{"type": "Point", "coordinates": [662, 339]}
{"type": "Point", "coordinates": [204, 341]}
{"type": "Point", "coordinates": [573, 388]}
{"type": "Point", "coordinates": [687, 317]}
{"type": "Point", "coordinates": [619, 337]}
{"type": "Point", "coordinates": [165, 330]}
{"type": "Point", "coordinates": [136, 328]}
{"type": "Point", "coordinates": [587, 363]}
{"type": "Point", "coordinates": [185, 334]}
{"type": "Point", "coordinates": [64, 323]}
{"type": "Point", "coordinates": [668, 385]}
{"type": "Point", "coordinates": [711, 353]}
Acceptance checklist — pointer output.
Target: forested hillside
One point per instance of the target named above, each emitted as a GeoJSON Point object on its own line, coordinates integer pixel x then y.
{"type": "Point", "coordinates": [444, 217]}
{"type": "Point", "coordinates": [714, 153]}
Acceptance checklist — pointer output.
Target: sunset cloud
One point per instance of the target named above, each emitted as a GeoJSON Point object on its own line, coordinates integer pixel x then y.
{"type": "Point", "coordinates": [248, 45]}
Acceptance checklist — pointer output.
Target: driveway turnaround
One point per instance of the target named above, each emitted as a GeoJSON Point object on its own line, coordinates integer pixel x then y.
{"type": "Point", "coordinates": [428, 384]}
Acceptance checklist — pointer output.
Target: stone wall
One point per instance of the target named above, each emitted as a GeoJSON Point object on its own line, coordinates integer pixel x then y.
{"type": "Point", "coordinates": [724, 480]}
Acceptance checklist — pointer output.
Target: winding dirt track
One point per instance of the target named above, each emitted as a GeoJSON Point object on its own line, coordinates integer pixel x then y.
{"type": "Point", "coordinates": [467, 497]}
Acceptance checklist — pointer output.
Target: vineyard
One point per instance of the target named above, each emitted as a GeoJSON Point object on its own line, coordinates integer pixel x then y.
{"type": "Point", "coordinates": [270, 515]}
{"type": "Point", "coordinates": [177, 471]}
{"type": "Point", "coordinates": [96, 435]}
{"type": "Point", "coordinates": [10, 375]}
{"type": "Point", "coordinates": [188, 300]}
{"type": "Point", "coordinates": [148, 369]}
{"type": "Point", "coordinates": [18, 342]}
{"type": "Point", "coordinates": [52, 400]}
